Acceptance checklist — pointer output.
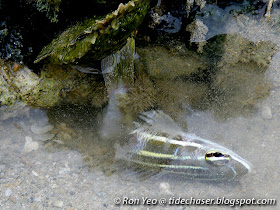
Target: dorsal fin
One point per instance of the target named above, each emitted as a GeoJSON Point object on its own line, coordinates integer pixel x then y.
{"type": "Point", "coordinates": [160, 123]}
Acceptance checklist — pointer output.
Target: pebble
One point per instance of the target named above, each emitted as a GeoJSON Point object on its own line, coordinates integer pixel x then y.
{"type": "Point", "coordinates": [58, 204]}
{"type": "Point", "coordinates": [13, 199]}
{"type": "Point", "coordinates": [101, 194]}
{"type": "Point", "coordinates": [64, 171]}
{"type": "Point", "coordinates": [35, 173]}
{"type": "Point", "coordinates": [37, 198]}
{"type": "Point", "coordinates": [8, 192]}
{"type": "Point", "coordinates": [164, 188]}
{"type": "Point", "coordinates": [2, 167]}
{"type": "Point", "coordinates": [266, 113]}
{"type": "Point", "coordinates": [41, 130]}
{"type": "Point", "coordinates": [30, 145]}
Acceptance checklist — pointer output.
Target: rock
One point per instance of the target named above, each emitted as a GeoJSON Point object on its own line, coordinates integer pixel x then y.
{"type": "Point", "coordinates": [92, 38]}
{"type": "Point", "coordinates": [18, 109]}
{"type": "Point", "coordinates": [163, 63]}
{"type": "Point", "coordinates": [239, 82]}
{"type": "Point", "coordinates": [58, 204]}
{"type": "Point", "coordinates": [266, 113]}
{"type": "Point", "coordinates": [30, 144]}
{"type": "Point", "coordinates": [46, 90]}
{"type": "Point", "coordinates": [8, 192]}
{"type": "Point", "coordinates": [198, 33]}
{"type": "Point", "coordinates": [191, 4]}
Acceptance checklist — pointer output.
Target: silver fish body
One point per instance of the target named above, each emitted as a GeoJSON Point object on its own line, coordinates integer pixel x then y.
{"type": "Point", "coordinates": [160, 144]}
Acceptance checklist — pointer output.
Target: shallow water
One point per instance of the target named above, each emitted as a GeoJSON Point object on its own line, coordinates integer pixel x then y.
{"type": "Point", "coordinates": [80, 172]}
{"type": "Point", "coordinates": [76, 170]}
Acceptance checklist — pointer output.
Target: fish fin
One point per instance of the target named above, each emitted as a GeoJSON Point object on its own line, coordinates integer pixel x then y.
{"type": "Point", "coordinates": [159, 122]}
{"type": "Point", "coordinates": [130, 172]}
{"type": "Point", "coordinates": [88, 70]}
{"type": "Point", "coordinates": [147, 174]}
{"type": "Point", "coordinates": [142, 173]}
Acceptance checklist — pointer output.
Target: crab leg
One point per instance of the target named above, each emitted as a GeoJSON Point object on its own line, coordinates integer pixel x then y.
{"type": "Point", "coordinates": [268, 9]}
{"type": "Point", "coordinates": [118, 73]}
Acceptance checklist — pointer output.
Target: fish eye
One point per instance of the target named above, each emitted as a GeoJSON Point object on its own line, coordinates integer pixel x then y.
{"type": "Point", "coordinates": [217, 158]}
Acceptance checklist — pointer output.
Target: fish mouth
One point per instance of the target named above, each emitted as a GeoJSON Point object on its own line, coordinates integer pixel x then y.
{"type": "Point", "coordinates": [241, 166]}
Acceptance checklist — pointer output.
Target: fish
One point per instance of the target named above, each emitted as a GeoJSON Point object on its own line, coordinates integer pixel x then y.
{"type": "Point", "coordinates": [159, 144]}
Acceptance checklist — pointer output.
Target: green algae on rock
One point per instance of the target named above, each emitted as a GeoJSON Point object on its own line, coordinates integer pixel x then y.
{"type": "Point", "coordinates": [54, 85]}
{"type": "Point", "coordinates": [96, 37]}
{"type": "Point", "coordinates": [163, 63]}
{"type": "Point", "coordinates": [158, 84]}
{"type": "Point", "coordinates": [231, 83]}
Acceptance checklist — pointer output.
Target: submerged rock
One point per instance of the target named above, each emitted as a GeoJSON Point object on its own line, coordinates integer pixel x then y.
{"type": "Point", "coordinates": [228, 77]}
{"type": "Point", "coordinates": [238, 81]}
{"type": "Point", "coordinates": [190, 4]}
{"type": "Point", "coordinates": [18, 109]}
{"type": "Point", "coordinates": [164, 63]}
{"type": "Point", "coordinates": [231, 83]}
{"type": "Point", "coordinates": [163, 79]}
{"type": "Point", "coordinates": [198, 33]}
{"type": "Point", "coordinates": [53, 86]}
